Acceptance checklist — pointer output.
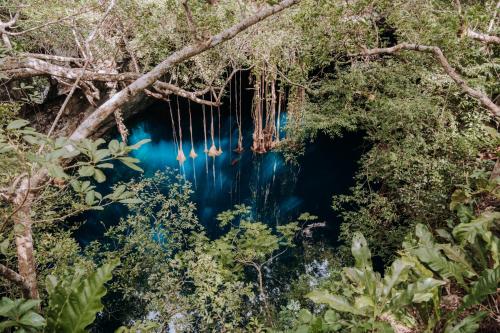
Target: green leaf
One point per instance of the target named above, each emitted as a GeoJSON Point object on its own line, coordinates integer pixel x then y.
{"type": "Point", "coordinates": [331, 317]}
{"type": "Point", "coordinates": [16, 124]}
{"type": "Point", "coordinates": [139, 144]}
{"type": "Point", "coordinates": [100, 155]}
{"type": "Point", "coordinates": [361, 252]}
{"type": "Point", "coordinates": [105, 166]}
{"type": "Point", "coordinates": [480, 226]}
{"type": "Point", "coordinates": [114, 146]}
{"type": "Point", "coordinates": [304, 316]}
{"type": "Point", "coordinates": [425, 289]}
{"type": "Point", "coordinates": [90, 198]}
{"type": "Point", "coordinates": [486, 284]}
{"type": "Point", "coordinates": [30, 139]}
{"type": "Point", "coordinates": [302, 329]}
{"type": "Point", "coordinates": [336, 302]}
{"type": "Point", "coordinates": [32, 319]}
{"type": "Point", "coordinates": [6, 306]}
{"type": "Point", "coordinates": [438, 263]}
{"type": "Point", "coordinates": [469, 324]}
{"type": "Point", "coordinates": [397, 274]}
{"type": "Point", "coordinates": [71, 310]}
{"type": "Point", "coordinates": [99, 176]}
{"type": "Point", "coordinates": [28, 305]}
{"type": "Point", "coordinates": [4, 246]}
{"type": "Point", "coordinates": [131, 165]}
{"type": "Point", "coordinates": [56, 171]}
{"type": "Point", "coordinates": [86, 171]}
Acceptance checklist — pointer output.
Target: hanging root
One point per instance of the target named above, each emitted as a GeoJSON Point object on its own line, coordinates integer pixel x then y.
{"type": "Point", "coordinates": [192, 153]}
{"type": "Point", "coordinates": [212, 152]}
{"type": "Point", "coordinates": [239, 149]}
{"type": "Point", "coordinates": [265, 135]}
{"type": "Point", "coordinates": [180, 156]}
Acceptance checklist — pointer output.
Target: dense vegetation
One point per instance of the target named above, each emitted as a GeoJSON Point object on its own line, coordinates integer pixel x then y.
{"type": "Point", "coordinates": [418, 78]}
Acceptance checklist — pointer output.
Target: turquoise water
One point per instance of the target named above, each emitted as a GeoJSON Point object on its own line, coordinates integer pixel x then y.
{"type": "Point", "coordinates": [277, 191]}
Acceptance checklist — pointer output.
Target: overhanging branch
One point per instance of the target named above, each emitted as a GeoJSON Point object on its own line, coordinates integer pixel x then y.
{"type": "Point", "coordinates": [452, 73]}
{"type": "Point", "coordinates": [94, 121]}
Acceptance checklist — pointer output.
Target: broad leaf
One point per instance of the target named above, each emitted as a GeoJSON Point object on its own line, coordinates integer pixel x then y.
{"type": "Point", "coordinates": [487, 284]}
{"type": "Point", "coordinates": [469, 324]}
{"type": "Point", "coordinates": [72, 309]}
{"type": "Point", "coordinates": [336, 302]}
{"type": "Point", "coordinates": [16, 124]}
{"type": "Point", "coordinates": [361, 252]}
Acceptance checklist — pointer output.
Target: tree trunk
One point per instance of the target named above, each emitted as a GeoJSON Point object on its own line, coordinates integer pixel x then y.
{"type": "Point", "coordinates": [24, 239]}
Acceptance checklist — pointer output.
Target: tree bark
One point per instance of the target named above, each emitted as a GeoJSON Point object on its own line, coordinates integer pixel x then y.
{"type": "Point", "coordinates": [14, 277]}
{"type": "Point", "coordinates": [24, 238]}
{"type": "Point", "coordinates": [485, 38]}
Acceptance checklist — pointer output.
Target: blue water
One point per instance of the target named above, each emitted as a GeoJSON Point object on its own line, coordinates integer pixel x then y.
{"type": "Point", "coordinates": [277, 191]}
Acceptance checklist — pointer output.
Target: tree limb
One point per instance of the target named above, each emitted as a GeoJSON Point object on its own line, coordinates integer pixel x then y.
{"type": "Point", "coordinates": [93, 122]}
{"type": "Point", "coordinates": [4, 33]}
{"type": "Point", "coordinates": [167, 88]}
{"type": "Point", "coordinates": [11, 33]}
{"type": "Point", "coordinates": [189, 17]}
{"type": "Point", "coordinates": [481, 37]}
{"type": "Point", "coordinates": [14, 277]}
{"type": "Point", "coordinates": [51, 57]}
{"type": "Point", "coordinates": [452, 73]}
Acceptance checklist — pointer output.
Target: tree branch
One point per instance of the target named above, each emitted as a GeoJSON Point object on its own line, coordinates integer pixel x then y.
{"type": "Point", "coordinates": [11, 33]}
{"type": "Point", "coordinates": [167, 89]}
{"type": "Point", "coordinates": [51, 57]}
{"type": "Point", "coordinates": [452, 73]}
{"type": "Point", "coordinates": [4, 33]}
{"type": "Point", "coordinates": [189, 17]}
{"type": "Point", "coordinates": [94, 121]}
{"type": "Point", "coordinates": [28, 67]}
{"type": "Point", "coordinates": [481, 37]}
{"type": "Point", "coordinates": [14, 277]}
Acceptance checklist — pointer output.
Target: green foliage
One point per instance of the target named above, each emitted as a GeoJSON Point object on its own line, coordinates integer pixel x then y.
{"type": "Point", "coordinates": [74, 302]}
{"type": "Point", "coordinates": [20, 315]}
{"type": "Point", "coordinates": [72, 305]}
{"type": "Point", "coordinates": [410, 294]}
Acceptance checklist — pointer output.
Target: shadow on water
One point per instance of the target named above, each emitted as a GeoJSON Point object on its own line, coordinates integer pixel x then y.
{"type": "Point", "coordinates": [278, 192]}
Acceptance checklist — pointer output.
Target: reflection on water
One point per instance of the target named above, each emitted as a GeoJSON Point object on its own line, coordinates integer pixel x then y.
{"type": "Point", "coordinates": [277, 191]}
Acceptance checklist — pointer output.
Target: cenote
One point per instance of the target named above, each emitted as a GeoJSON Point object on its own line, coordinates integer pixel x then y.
{"type": "Point", "coordinates": [277, 191]}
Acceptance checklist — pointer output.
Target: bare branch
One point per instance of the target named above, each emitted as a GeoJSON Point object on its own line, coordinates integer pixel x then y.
{"type": "Point", "coordinates": [52, 57]}
{"type": "Point", "coordinates": [4, 32]}
{"type": "Point", "coordinates": [14, 277]}
{"type": "Point", "coordinates": [438, 54]}
{"type": "Point", "coordinates": [167, 88]}
{"type": "Point", "coordinates": [65, 103]}
{"type": "Point", "coordinates": [11, 33]}
{"type": "Point", "coordinates": [91, 36]}
{"type": "Point", "coordinates": [189, 16]}
{"type": "Point", "coordinates": [484, 38]}
{"type": "Point", "coordinates": [493, 18]}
